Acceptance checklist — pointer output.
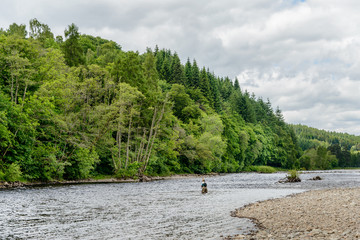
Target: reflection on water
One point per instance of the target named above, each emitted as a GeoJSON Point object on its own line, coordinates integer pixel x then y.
{"type": "Point", "coordinates": [170, 209]}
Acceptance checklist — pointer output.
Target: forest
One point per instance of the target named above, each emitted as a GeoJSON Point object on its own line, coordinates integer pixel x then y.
{"type": "Point", "coordinates": [78, 106]}
{"type": "Point", "coordinates": [326, 150]}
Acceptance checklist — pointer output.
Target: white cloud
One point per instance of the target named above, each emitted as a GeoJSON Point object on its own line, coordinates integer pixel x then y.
{"type": "Point", "coordinates": [309, 98]}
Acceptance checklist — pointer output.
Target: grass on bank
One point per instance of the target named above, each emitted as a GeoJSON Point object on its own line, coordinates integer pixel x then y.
{"type": "Point", "coordinates": [293, 176]}
{"type": "Point", "coordinates": [261, 169]}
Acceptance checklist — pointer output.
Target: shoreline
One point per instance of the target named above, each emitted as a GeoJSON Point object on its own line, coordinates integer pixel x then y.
{"type": "Point", "coordinates": [110, 179]}
{"type": "Point", "coordinates": [18, 184]}
{"type": "Point", "coordinates": [314, 214]}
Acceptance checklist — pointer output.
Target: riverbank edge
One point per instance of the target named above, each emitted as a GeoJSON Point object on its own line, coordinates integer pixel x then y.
{"type": "Point", "coordinates": [110, 179]}
{"type": "Point", "coordinates": [18, 184]}
{"type": "Point", "coordinates": [259, 214]}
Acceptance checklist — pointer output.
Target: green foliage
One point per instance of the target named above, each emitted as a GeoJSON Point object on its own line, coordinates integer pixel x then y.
{"type": "Point", "coordinates": [188, 73]}
{"type": "Point", "coordinates": [177, 73]}
{"type": "Point", "coordinates": [242, 105]}
{"type": "Point", "coordinates": [214, 97]}
{"type": "Point", "coordinates": [320, 158]}
{"type": "Point", "coordinates": [81, 164]}
{"type": "Point", "coordinates": [184, 107]}
{"type": "Point", "coordinates": [293, 176]}
{"type": "Point", "coordinates": [204, 84]}
{"type": "Point", "coordinates": [71, 47]}
{"type": "Point", "coordinates": [82, 107]}
{"type": "Point", "coordinates": [130, 172]}
{"type": "Point", "coordinates": [2, 176]}
{"type": "Point", "coordinates": [312, 137]}
{"type": "Point", "coordinates": [195, 75]}
{"type": "Point", "coordinates": [343, 146]}
{"type": "Point", "coordinates": [41, 32]}
{"type": "Point", "coordinates": [17, 30]}
{"type": "Point", "coordinates": [12, 173]}
{"type": "Point", "coordinates": [260, 169]}
{"type": "Point", "coordinates": [161, 167]}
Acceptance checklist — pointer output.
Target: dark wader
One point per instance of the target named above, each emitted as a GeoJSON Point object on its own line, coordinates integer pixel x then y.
{"type": "Point", "coordinates": [204, 188]}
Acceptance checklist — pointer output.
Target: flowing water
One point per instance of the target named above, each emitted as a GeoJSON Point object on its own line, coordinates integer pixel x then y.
{"type": "Point", "coordinates": [169, 209]}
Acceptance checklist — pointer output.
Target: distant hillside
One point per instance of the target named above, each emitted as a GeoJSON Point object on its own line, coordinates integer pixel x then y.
{"type": "Point", "coordinates": [309, 137]}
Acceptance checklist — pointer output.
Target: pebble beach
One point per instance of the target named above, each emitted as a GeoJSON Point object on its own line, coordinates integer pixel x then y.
{"type": "Point", "coordinates": [317, 214]}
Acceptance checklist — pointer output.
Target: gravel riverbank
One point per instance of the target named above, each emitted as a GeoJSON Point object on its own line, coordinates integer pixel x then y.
{"type": "Point", "coordinates": [318, 214]}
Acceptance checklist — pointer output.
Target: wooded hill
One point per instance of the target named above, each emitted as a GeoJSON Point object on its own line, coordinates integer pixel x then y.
{"type": "Point", "coordinates": [309, 137]}
{"type": "Point", "coordinates": [75, 107]}
{"type": "Point", "coordinates": [315, 143]}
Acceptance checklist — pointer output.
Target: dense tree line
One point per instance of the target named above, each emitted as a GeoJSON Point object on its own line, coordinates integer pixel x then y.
{"type": "Point", "coordinates": [326, 150]}
{"type": "Point", "coordinates": [74, 107]}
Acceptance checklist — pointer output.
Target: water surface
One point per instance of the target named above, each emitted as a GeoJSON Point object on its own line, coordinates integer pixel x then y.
{"type": "Point", "coordinates": [170, 209]}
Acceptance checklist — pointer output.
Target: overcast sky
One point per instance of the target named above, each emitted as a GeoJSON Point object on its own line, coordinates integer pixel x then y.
{"type": "Point", "coordinates": [304, 55]}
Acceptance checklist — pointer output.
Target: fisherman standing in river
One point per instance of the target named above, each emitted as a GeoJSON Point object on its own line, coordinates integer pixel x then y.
{"type": "Point", "coordinates": [204, 187]}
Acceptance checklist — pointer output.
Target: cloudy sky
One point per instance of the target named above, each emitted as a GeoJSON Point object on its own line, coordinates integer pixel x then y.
{"type": "Point", "coordinates": [301, 54]}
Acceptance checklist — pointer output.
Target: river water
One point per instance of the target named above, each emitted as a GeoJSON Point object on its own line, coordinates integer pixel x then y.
{"type": "Point", "coordinates": [169, 209]}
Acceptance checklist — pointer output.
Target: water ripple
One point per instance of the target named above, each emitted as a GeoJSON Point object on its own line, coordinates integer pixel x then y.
{"type": "Point", "coordinates": [171, 209]}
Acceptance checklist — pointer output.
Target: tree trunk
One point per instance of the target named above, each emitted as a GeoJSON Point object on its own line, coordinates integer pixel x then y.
{"type": "Point", "coordinates": [150, 135]}
{"type": "Point", "coordinates": [26, 86]}
{"type": "Point", "coordinates": [12, 89]}
{"type": "Point", "coordinates": [16, 91]}
{"type": "Point", "coordinates": [128, 141]}
{"type": "Point", "coordinates": [119, 136]}
{"type": "Point", "coordinates": [141, 147]}
{"type": "Point", "coordinates": [154, 136]}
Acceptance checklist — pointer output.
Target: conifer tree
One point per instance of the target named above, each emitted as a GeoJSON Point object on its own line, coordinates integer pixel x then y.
{"type": "Point", "coordinates": [226, 88]}
{"type": "Point", "coordinates": [237, 85]}
{"type": "Point", "coordinates": [215, 93]}
{"type": "Point", "coordinates": [150, 74]}
{"type": "Point", "coordinates": [160, 56]}
{"type": "Point", "coordinates": [188, 73]}
{"type": "Point", "coordinates": [205, 85]}
{"type": "Point", "coordinates": [247, 109]}
{"type": "Point", "coordinates": [156, 51]}
{"type": "Point", "coordinates": [177, 72]}
{"type": "Point", "coordinates": [279, 116]}
{"type": "Point", "coordinates": [72, 49]}
{"type": "Point", "coordinates": [130, 70]}
{"type": "Point", "coordinates": [195, 75]}
{"type": "Point", "coordinates": [165, 73]}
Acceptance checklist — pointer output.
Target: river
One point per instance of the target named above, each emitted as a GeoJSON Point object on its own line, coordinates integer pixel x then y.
{"type": "Point", "coordinates": [168, 209]}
